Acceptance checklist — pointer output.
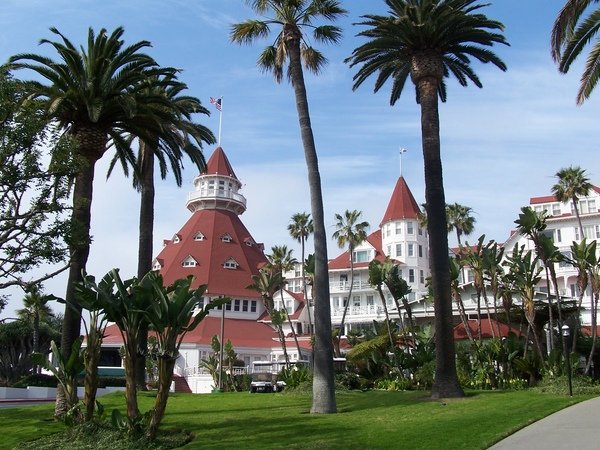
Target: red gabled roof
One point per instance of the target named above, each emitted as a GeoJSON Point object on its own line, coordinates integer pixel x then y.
{"type": "Point", "coordinates": [402, 204]}
{"type": "Point", "coordinates": [343, 261]}
{"type": "Point", "coordinates": [211, 253]}
{"type": "Point", "coordinates": [242, 333]}
{"type": "Point", "coordinates": [218, 164]}
{"type": "Point", "coordinates": [500, 330]}
{"type": "Point", "coordinates": [552, 198]}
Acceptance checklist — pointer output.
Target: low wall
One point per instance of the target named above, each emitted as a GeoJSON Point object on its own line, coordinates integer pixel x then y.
{"type": "Point", "coordinates": [38, 393]}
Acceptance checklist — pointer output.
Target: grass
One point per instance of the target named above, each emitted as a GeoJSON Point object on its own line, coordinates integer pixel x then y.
{"type": "Point", "coordinates": [366, 420]}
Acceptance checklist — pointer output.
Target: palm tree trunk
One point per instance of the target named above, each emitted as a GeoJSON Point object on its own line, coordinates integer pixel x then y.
{"type": "Point", "coordinates": [146, 231]}
{"type": "Point", "coordinates": [446, 382]}
{"type": "Point", "coordinates": [323, 375]}
{"type": "Point", "coordinates": [387, 317]}
{"type": "Point", "coordinates": [130, 382]}
{"type": "Point", "coordinates": [594, 333]}
{"type": "Point", "coordinates": [489, 314]}
{"type": "Point", "coordinates": [304, 291]}
{"type": "Point", "coordinates": [347, 303]}
{"type": "Point", "coordinates": [92, 358]}
{"type": "Point", "coordinates": [79, 248]}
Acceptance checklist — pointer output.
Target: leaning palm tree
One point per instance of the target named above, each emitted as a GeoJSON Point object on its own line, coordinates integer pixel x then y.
{"type": "Point", "coordinates": [267, 283]}
{"type": "Point", "coordinates": [97, 96]}
{"type": "Point", "coordinates": [290, 47]}
{"type": "Point", "coordinates": [570, 35]}
{"type": "Point", "coordinates": [460, 220]}
{"type": "Point", "coordinates": [179, 136]}
{"type": "Point", "coordinates": [281, 260]}
{"type": "Point", "coordinates": [572, 184]}
{"type": "Point", "coordinates": [429, 40]}
{"type": "Point", "coordinates": [300, 228]}
{"type": "Point", "coordinates": [349, 232]}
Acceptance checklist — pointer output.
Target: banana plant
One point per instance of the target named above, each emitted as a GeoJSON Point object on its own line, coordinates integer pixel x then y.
{"type": "Point", "coordinates": [66, 370]}
{"type": "Point", "coordinates": [173, 312]}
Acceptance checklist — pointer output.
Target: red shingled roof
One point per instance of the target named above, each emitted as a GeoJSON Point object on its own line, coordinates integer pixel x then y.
{"type": "Point", "coordinates": [212, 252]}
{"type": "Point", "coordinates": [343, 261]}
{"type": "Point", "coordinates": [500, 328]}
{"type": "Point", "coordinates": [242, 333]}
{"type": "Point", "coordinates": [219, 164]}
{"type": "Point", "coordinates": [402, 204]}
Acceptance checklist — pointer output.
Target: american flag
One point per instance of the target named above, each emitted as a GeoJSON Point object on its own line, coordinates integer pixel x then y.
{"type": "Point", "coordinates": [216, 102]}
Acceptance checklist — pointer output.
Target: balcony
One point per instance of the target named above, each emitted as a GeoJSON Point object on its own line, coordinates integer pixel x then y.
{"type": "Point", "coordinates": [344, 286]}
{"type": "Point", "coordinates": [359, 311]}
{"type": "Point", "coordinates": [211, 197]}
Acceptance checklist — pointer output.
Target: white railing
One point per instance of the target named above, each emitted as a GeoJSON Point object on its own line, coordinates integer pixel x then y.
{"type": "Point", "coordinates": [216, 194]}
{"type": "Point", "coordinates": [344, 286]}
{"type": "Point", "coordinates": [371, 310]}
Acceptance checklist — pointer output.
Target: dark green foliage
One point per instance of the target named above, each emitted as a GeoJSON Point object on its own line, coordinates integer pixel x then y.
{"type": "Point", "coordinates": [37, 379]}
{"type": "Point", "coordinates": [16, 346]}
{"type": "Point", "coordinates": [33, 225]}
{"type": "Point", "coordinates": [294, 376]}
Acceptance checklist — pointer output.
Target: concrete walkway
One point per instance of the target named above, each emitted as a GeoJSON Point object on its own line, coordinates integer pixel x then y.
{"type": "Point", "coordinates": [577, 426]}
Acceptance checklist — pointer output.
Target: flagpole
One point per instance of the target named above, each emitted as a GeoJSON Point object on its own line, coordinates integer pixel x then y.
{"type": "Point", "coordinates": [220, 120]}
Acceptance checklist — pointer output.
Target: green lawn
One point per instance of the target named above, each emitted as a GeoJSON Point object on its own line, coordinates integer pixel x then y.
{"type": "Point", "coordinates": [366, 420]}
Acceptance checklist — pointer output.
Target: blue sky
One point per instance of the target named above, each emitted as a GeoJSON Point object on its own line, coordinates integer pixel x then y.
{"type": "Point", "coordinates": [501, 144]}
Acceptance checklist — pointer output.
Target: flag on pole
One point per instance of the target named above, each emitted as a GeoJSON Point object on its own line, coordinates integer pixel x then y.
{"type": "Point", "coordinates": [216, 102]}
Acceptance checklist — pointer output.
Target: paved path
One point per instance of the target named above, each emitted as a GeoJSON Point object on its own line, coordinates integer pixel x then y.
{"type": "Point", "coordinates": [575, 427]}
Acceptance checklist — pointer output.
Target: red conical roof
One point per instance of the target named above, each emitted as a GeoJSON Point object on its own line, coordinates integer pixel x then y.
{"type": "Point", "coordinates": [219, 164]}
{"type": "Point", "coordinates": [402, 205]}
{"type": "Point", "coordinates": [212, 252]}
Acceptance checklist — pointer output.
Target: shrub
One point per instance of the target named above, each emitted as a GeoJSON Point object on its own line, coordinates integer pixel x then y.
{"type": "Point", "coordinates": [425, 374]}
{"type": "Point", "coordinates": [293, 376]}
{"type": "Point", "coordinates": [37, 379]}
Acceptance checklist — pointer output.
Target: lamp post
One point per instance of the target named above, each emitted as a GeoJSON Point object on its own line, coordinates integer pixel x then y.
{"type": "Point", "coordinates": [566, 333]}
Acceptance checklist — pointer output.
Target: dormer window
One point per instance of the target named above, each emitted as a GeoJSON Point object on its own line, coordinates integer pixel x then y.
{"type": "Point", "coordinates": [231, 264]}
{"type": "Point", "coordinates": [199, 236]}
{"type": "Point", "coordinates": [189, 262]}
{"type": "Point", "coordinates": [249, 242]}
{"type": "Point", "coordinates": [226, 237]}
{"type": "Point", "coordinates": [176, 239]}
{"type": "Point", "coordinates": [156, 265]}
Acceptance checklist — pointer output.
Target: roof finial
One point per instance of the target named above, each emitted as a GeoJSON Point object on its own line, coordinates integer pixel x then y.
{"type": "Point", "coordinates": [402, 150]}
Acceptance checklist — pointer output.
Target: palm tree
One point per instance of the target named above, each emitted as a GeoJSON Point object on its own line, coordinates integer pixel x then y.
{"type": "Point", "coordinates": [300, 229]}
{"type": "Point", "coordinates": [570, 34]}
{"type": "Point", "coordinates": [281, 260]}
{"type": "Point", "coordinates": [376, 279]}
{"type": "Point", "coordinates": [350, 232]}
{"type": "Point", "coordinates": [572, 184]}
{"type": "Point", "coordinates": [584, 259]}
{"type": "Point", "coordinates": [267, 283]}
{"type": "Point", "coordinates": [460, 220]}
{"type": "Point", "coordinates": [35, 310]}
{"type": "Point", "coordinates": [295, 16]}
{"type": "Point", "coordinates": [179, 136]}
{"type": "Point", "coordinates": [97, 96]}
{"type": "Point", "coordinates": [455, 269]}
{"type": "Point", "coordinates": [429, 40]}
{"type": "Point", "coordinates": [399, 289]}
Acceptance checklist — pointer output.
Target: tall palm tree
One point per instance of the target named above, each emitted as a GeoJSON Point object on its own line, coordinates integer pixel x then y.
{"type": "Point", "coordinates": [300, 228]}
{"type": "Point", "coordinates": [349, 232]}
{"type": "Point", "coordinates": [281, 260]}
{"type": "Point", "coordinates": [293, 17]}
{"type": "Point", "coordinates": [376, 279]}
{"type": "Point", "coordinates": [179, 136]}
{"type": "Point", "coordinates": [97, 96]}
{"type": "Point", "coordinates": [429, 40]}
{"type": "Point", "coordinates": [460, 219]}
{"type": "Point", "coordinates": [572, 184]}
{"type": "Point", "coordinates": [399, 289]}
{"type": "Point", "coordinates": [35, 310]}
{"type": "Point", "coordinates": [570, 34]}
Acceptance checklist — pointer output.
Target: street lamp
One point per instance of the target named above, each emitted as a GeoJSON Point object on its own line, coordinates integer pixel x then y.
{"type": "Point", "coordinates": [566, 333]}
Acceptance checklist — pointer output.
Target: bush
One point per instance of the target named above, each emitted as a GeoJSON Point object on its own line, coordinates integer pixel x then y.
{"type": "Point", "coordinates": [425, 375]}
{"type": "Point", "coordinates": [559, 385]}
{"type": "Point", "coordinates": [293, 376]}
{"type": "Point", "coordinates": [37, 379]}
{"type": "Point", "coordinates": [396, 384]}
{"type": "Point", "coordinates": [111, 381]}
{"type": "Point", "coordinates": [350, 381]}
